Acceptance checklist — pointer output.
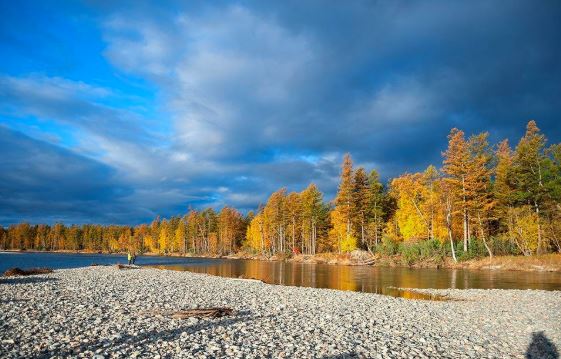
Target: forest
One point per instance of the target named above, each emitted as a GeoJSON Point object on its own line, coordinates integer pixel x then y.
{"type": "Point", "coordinates": [483, 200]}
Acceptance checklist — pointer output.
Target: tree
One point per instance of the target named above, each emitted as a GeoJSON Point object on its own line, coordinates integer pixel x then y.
{"type": "Point", "coordinates": [376, 205]}
{"type": "Point", "coordinates": [480, 199]}
{"type": "Point", "coordinates": [181, 235]}
{"type": "Point", "coordinates": [456, 167]}
{"type": "Point", "coordinates": [360, 204]}
{"type": "Point", "coordinates": [410, 195]}
{"type": "Point", "coordinates": [528, 179]}
{"type": "Point", "coordinates": [275, 220]}
{"type": "Point", "coordinates": [344, 198]}
{"type": "Point", "coordinates": [294, 211]}
{"type": "Point", "coordinates": [312, 213]}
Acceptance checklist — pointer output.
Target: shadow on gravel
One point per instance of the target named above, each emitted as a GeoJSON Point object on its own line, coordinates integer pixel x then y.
{"type": "Point", "coordinates": [26, 280]}
{"type": "Point", "coordinates": [145, 339]}
{"type": "Point", "coordinates": [541, 348]}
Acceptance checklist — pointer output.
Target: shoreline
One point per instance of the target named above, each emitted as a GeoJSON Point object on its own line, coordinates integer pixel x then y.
{"type": "Point", "coordinates": [542, 263]}
{"type": "Point", "coordinates": [110, 312]}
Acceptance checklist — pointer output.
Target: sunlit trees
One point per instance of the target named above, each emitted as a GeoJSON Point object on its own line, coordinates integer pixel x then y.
{"type": "Point", "coordinates": [230, 229]}
{"type": "Point", "coordinates": [480, 202]}
{"type": "Point", "coordinates": [377, 208]}
{"type": "Point", "coordinates": [360, 204]}
{"type": "Point", "coordinates": [344, 198]}
{"type": "Point", "coordinates": [456, 167]}
{"type": "Point", "coordinates": [312, 213]}
{"type": "Point", "coordinates": [294, 212]}
{"type": "Point", "coordinates": [528, 170]}
{"type": "Point", "coordinates": [409, 193]}
{"type": "Point", "coordinates": [496, 200]}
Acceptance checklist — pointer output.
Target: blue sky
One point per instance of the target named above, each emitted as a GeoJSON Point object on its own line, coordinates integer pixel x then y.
{"type": "Point", "coordinates": [116, 113]}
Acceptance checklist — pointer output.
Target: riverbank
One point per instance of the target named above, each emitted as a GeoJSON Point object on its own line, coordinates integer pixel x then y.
{"type": "Point", "coordinates": [537, 263]}
{"type": "Point", "coordinates": [109, 312]}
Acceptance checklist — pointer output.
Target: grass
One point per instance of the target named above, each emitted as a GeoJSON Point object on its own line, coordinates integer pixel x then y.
{"type": "Point", "coordinates": [544, 263]}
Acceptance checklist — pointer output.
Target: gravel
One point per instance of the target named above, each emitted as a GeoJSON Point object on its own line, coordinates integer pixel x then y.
{"type": "Point", "coordinates": [104, 312]}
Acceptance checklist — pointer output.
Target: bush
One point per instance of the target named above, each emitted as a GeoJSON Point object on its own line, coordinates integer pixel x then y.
{"type": "Point", "coordinates": [413, 252]}
{"type": "Point", "coordinates": [388, 247]}
{"type": "Point", "coordinates": [476, 249]}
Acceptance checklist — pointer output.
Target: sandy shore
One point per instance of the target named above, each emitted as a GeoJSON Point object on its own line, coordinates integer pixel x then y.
{"type": "Point", "coordinates": [108, 312]}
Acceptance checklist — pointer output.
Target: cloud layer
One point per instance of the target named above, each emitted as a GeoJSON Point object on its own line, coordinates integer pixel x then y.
{"type": "Point", "coordinates": [212, 104]}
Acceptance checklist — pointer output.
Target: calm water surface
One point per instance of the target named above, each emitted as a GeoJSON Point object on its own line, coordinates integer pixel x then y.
{"type": "Point", "coordinates": [354, 278]}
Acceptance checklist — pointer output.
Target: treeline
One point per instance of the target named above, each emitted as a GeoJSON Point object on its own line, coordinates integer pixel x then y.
{"type": "Point", "coordinates": [484, 199]}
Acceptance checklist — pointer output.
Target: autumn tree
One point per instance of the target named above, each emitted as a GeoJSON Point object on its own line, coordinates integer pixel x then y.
{"type": "Point", "coordinates": [360, 204]}
{"type": "Point", "coordinates": [312, 214]}
{"type": "Point", "coordinates": [456, 167]}
{"type": "Point", "coordinates": [377, 203]}
{"type": "Point", "coordinates": [528, 165]}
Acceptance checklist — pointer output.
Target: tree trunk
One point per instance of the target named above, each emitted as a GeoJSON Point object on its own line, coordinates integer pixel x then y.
{"type": "Point", "coordinates": [539, 249]}
{"type": "Point", "coordinates": [482, 233]}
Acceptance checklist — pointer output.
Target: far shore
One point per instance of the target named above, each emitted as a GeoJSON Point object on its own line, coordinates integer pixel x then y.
{"type": "Point", "coordinates": [538, 263]}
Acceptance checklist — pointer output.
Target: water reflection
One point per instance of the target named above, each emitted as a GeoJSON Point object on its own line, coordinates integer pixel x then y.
{"type": "Point", "coordinates": [354, 278]}
{"type": "Point", "coordinates": [372, 279]}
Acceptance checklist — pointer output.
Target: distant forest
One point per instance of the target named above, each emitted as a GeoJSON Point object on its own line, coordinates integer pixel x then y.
{"type": "Point", "coordinates": [483, 200]}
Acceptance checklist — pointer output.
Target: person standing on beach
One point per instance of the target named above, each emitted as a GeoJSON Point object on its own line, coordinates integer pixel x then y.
{"type": "Point", "coordinates": [129, 257]}
{"type": "Point", "coordinates": [133, 258]}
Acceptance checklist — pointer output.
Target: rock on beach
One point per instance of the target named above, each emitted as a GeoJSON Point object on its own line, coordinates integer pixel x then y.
{"type": "Point", "coordinates": [103, 312]}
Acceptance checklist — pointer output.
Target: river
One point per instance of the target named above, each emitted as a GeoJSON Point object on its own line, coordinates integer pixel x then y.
{"type": "Point", "coordinates": [382, 280]}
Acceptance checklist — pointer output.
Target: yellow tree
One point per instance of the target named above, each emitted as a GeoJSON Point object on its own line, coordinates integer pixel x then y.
{"type": "Point", "coordinates": [528, 174]}
{"type": "Point", "coordinates": [360, 204]}
{"type": "Point", "coordinates": [344, 198]}
{"type": "Point", "coordinates": [312, 210]}
{"type": "Point", "coordinates": [480, 199]}
{"type": "Point", "coordinates": [456, 167]}
{"type": "Point", "coordinates": [294, 211]}
{"type": "Point", "coordinates": [230, 224]}
{"type": "Point", "coordinates": [255, 238]}
{"type": "Point", "coordinates": [181, 235]}
{"type": "Point", "coordinates": [339, 233]}
{"type": "Point", "coordinates": [163, 239]}
{"type": "Point", "coordinates": [275, 219]}
{"type": "Point", "coordinates": [409, 194]}
{"type": "Point", "coordinates": [376, 207]}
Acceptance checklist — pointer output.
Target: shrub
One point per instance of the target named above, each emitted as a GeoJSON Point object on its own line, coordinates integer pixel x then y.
{"type": "Point", "coordinates": [389, 247]}
{"type": "Point", "coordinates": [413, 252]}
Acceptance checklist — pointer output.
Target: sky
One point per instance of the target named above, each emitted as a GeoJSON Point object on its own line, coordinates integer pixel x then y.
{"type": "Point", "coordinates": [116, 112]}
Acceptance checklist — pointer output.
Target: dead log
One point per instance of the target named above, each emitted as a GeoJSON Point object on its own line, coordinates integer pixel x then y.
{"type": "Point", "coordinates": [202, 313]}
{"type": "Point", "coordinates": [12, 272]}
{"type": "Point", "coordinates": [125, 266]}
{"type": "Point", "coordinates": [193, 313]}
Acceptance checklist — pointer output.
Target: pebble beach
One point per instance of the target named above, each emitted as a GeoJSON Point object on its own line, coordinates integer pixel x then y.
{"type": "Point", "coordinates": [106, 312]}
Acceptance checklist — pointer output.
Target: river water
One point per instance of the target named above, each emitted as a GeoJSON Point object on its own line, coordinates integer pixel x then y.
{"type": "Point", "coordinates": [380, 280]}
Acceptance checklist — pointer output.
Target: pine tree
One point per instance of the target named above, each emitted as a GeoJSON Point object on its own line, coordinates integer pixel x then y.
{"type": "Point", "coordinates": [376, 204]}
{"type": "Point", "coordinates": [360, 204]}
{"type": "Point", "coordinates": [456, 166]}
{"type": "Point", "coordinates": [528, 173]}
{"type": "Point", "coordinates": [344, 198]}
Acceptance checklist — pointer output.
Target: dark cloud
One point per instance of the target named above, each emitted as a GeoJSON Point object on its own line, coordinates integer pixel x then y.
{"type": "Point", "coordinates": [40, 180]}
{"type": "Point", "coordinates": [253, 96]}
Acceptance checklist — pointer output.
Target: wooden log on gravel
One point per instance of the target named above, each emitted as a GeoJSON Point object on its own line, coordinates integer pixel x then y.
{"type": "Point", "coordinates": [12, 272]}
{"type": "Point", "coordinates": [196, 313]}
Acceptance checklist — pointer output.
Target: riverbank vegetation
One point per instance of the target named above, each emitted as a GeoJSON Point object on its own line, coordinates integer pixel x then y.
{"type": "Point", "coordinates": [483, 201]}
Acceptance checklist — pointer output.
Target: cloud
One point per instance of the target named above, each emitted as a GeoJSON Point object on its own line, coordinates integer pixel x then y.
{"type": "Point", "coordinates": [42, 180]}
{"type": "Point", "coordinates": [252, 96]}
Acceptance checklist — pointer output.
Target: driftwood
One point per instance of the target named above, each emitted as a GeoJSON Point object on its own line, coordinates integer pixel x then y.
{"type": "Point", "coordinates": [125, 266]}
{"type": "Point", "coordinates": [195, 313]}
{"type": "Point", "coordinates": [12, 272]}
